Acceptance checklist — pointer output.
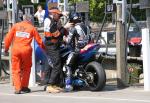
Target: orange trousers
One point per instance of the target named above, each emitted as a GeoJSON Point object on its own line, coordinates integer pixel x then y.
{"type": "Point", "coordinates": [21, 66]}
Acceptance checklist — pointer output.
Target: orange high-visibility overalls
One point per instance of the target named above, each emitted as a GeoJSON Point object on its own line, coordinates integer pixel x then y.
{"type": "Point", "coordinates": [21, 34]}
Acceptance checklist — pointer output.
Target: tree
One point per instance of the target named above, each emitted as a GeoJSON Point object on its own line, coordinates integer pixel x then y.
{"type": "Point", "coordinates": [96, 8]}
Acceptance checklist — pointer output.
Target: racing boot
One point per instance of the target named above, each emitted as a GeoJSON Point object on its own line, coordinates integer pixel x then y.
{"type": "Point", "coordinates": [68, 88]}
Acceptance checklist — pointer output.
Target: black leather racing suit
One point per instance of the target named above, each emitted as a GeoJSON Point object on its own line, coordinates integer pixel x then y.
{"type": "Point", "coordinates": [78, 37]}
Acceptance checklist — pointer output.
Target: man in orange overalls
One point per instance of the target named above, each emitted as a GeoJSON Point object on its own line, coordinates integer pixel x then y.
{"type": "Point", "coordinates": [21, 35]}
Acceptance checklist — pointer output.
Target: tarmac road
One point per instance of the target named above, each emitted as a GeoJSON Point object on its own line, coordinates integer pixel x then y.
{"type": "Point", "coordinates": [110, 94]}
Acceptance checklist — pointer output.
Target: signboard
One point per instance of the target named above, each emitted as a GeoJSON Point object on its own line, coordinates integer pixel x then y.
{"type": "Point", "coordinates": [28, 9]}
{"type": "Point", "coordinates": [3, 14]}
{"type": "Point", "coordinates": [82, 6]}
{"type": "Point", "coordinates": [50, 5]}
{"type": "Point", "coordinates": [117, 1]}
{"type": "Point", "coordinates": [110, 8]}
{"type": "Point", "coordinates": [144, 4]}
{"type": "Point", "coordinates": [35, 1]}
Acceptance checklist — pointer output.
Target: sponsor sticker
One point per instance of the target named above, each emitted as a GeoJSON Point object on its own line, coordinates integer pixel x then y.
{"type": "Point", "coordinates": [22, 34]}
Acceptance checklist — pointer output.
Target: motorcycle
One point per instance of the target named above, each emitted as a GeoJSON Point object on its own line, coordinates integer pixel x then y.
{"type": "Point", "coordinates": [86, 70]}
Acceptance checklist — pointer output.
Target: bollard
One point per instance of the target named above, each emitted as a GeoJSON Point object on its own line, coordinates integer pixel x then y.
{"type": "Point", "coordinates": [32, 81]}
{"type": "Point", "coordinates": [146, 58]}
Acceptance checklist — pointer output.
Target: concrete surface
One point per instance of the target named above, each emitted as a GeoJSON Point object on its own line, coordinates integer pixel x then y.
{"type": "Point", "coordinates": [110, 94]}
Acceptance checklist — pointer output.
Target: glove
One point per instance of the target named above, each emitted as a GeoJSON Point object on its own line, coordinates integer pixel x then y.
{"type": "Point", "coordinates": [68, 25]}
{"type": "Point", "coordinates": [81, 44]}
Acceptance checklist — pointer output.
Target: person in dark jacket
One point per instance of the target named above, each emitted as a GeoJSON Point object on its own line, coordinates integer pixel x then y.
{"type": "Point", "coordinates": [53, 39]}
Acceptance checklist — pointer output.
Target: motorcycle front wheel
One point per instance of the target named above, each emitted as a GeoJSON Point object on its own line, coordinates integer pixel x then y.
{"type": "Point", "coordinates": [96, 76]}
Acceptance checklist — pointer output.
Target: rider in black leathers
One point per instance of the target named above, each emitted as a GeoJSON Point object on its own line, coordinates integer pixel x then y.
{"type": "Point", "coordinates": [79, 36]}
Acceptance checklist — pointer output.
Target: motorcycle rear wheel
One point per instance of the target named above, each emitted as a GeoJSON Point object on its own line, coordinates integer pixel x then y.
{"type": "Point", "coordinates": [96, 75]}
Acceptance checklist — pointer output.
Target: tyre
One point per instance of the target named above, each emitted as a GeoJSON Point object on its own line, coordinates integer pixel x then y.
{"type": "Point", "coordinates": [96, 76]}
